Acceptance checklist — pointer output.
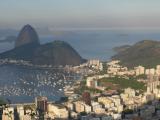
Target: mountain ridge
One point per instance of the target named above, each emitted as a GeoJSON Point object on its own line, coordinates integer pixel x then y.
{"type": "Point", "coordinates": [145, 53]}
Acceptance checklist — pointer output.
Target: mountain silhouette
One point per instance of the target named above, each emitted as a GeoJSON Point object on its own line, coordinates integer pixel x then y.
{"type": "Point", "coordinates": [28, 48]}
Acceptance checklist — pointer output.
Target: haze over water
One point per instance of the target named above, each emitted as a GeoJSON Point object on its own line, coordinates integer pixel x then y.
{"type": "Point", "coordinates": [96, 44]}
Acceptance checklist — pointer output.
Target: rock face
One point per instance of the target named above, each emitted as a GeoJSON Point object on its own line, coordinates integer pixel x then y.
{"type": "Point", "coordinates": [26, 36]}
{"type": "Point", "coordinates": [146, 53]}
{"type": "Point", "coordinates": [55, 53]}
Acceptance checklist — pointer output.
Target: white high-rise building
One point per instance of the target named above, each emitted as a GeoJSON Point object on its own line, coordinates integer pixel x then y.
{"type": "Point", "coordinates": [153, 83]}
{"type": "Point", "coordinates": [139, 70]}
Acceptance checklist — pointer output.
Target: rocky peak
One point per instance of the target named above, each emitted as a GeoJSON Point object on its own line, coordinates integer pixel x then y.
{"type": "Point", "coordinates": [26, 36]}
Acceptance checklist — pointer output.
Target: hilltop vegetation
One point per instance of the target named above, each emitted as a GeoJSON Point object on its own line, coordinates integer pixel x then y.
{"type": "Point", "coordinates": [145, 53]}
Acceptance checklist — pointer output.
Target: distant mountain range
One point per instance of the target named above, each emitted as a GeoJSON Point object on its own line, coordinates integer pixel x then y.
{"type": "Point", "coordinates": [28, 48]}
{"type": "Point", "coordinates": [146, 53]}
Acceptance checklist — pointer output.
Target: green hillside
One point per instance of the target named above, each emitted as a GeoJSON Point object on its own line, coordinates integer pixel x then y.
{"type": "Point", "coordinates": [145, 53]}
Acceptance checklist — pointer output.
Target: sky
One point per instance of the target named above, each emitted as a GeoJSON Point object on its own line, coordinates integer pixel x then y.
{"type": "Point", "coordinates": [80, 13]}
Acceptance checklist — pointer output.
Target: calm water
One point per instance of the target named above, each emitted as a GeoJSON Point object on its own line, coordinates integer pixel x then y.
{"type": "Point", "coordinates": [100, 44]}
{"type": "Point", "coordinates": [22, 84]}
{"type": "Point", "coordinates": [93, 44]}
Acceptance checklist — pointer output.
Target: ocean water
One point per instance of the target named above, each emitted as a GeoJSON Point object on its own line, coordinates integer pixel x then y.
{"type": "Point", "coordinates": [91, 44]}
{"type": "Point", "coordinates": [99, 44]}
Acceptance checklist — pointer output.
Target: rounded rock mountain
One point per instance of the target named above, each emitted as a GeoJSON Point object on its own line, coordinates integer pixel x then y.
{"type": "Point", "coordinates": [26, 36]}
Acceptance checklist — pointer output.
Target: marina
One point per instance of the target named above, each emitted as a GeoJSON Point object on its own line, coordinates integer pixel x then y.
{"type": "Point", "coordinates": [22, 84]}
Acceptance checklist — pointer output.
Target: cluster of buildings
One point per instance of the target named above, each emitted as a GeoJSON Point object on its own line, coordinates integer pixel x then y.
{"type": "Point", "coordinates": [40, 110]}
{"type": "Point", "coordinates": [44, 110]}
{"type": "Point", "coordinates": [17, 62]}
{"type": "Point", "coordinates": [90, 67]}
{"type": "Point", "coordinates": [115, 68]}
{"type": "Point", "coordinates": [144, 105]}
{"type": "Point", "coordinates": [131, 103]}
{"type": "Point", "coordinates": [152, 71]}
{"type": "Point", "coordinates": [28, 63]}
{"type": "Point", "coordinates": [96, 64]}
{"type": "Point", "coordinates": [127, 105]}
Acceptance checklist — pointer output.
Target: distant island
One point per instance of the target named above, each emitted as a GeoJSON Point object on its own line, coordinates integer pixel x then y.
{"type": "Point", "coordinates": [28, 48]}
{"type": "Point", "coordinates": [145, 53]}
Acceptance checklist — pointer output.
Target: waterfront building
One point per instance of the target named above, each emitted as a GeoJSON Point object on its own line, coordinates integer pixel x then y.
{"type": "Point", "coordinates": [20, 111]}
{"type": "Point", "coordinates": [8, 113]}
{"type": "Point", "coordinates": [41, 104]}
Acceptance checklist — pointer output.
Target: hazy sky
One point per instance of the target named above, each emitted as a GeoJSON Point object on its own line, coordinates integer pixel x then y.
{"type": "Point", "coordinates": [80, 13]}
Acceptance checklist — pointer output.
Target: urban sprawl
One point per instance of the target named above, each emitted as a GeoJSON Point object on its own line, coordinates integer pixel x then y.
{"type": "Point", "coordinates": [107, 91]}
